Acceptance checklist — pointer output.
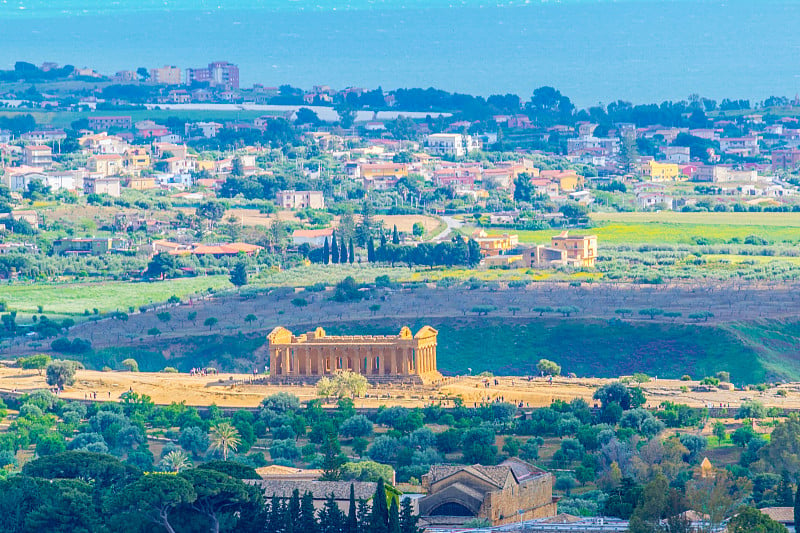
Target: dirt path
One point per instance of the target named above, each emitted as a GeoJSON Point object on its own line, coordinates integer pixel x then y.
{"type": "Point", "coordinates": [231, 390]}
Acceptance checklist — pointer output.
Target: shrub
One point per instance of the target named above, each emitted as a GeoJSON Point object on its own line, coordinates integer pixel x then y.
{"type": "Point", "coordinates": [356, 426]}
{"type": "Point", "coordinates": [548, 368]}
{"type": "Point", "coordinates": [751, 409]}
{"type": "Point", "coordinates": [60, 373]}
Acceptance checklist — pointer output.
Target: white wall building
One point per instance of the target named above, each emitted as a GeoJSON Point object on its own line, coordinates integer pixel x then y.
{"type": "Point", "coordinates": [451, 144]}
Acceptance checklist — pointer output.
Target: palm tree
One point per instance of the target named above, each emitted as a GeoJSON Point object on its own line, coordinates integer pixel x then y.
{"type": "Point", "coordinates": [176, 460]}
{"type": "Point", "coordinates": [225, 437]}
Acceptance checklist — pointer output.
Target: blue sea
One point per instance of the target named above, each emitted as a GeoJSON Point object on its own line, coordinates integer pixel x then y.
{"type": "Point", "coordinates": [594, 51]}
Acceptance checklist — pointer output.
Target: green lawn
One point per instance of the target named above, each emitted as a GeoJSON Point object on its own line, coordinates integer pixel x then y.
{"type": "Point", "coordinates": [75, 298]}
{"type": "Point", "coordinates": [63, 119]}
{"type": "Point", "coordinates": [615, 233]}
{"type": "Point", "coordinates": [726, 218]}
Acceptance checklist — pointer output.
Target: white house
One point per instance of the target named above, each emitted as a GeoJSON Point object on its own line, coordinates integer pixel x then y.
{"type": "Point", "coordinates": [314, 237]}
{"type": "Point", "coordinates": [451, 144]}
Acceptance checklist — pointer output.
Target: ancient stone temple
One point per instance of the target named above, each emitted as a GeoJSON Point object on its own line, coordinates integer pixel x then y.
{"type": "Point", "coordinates": [402, 358]}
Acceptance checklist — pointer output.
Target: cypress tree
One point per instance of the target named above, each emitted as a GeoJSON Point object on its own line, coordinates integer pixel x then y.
{"type": "Point", "coordinates": [363, 516]}
{"type": "Point", "coordinates": [379, 518]}
{"type": "Point", "coordinates": [334, 248]}
{"type": "Point", "coordinates": [408, 520]}
{"type": "Point", "coordinates": [785, 496]}
{"type": "Point", "coordinates": [307, 521]}
{"type": "Point", "coordinates": [370, 251]}
{"type": "Point", "coordinates": [331, 518]}
{"type": "Point", "coordinates": [797, 505]}
{"type": "Point", "coordinates": [395, 235]}
{"type": "Point", "coordinates": [326, 252]}
{"type": "Point", "coordinates": [276, 515]}
{"type": "Point", "coordinates": [351, 526]}
{"type": "Point", "coordinates": [351, 251]}
{"type": "Point", "coordinates": [293, 511]}
{"type": "Point", "coordinates": [383, 239]}
{"type": "Point", "coordinates": [364, 229]}
{"type": "Point", "coordinates": [332, 462]}
{"type": "Point", "coordinates": [342, 251]}
{"type": "Point", "coordinates": [394, 517]}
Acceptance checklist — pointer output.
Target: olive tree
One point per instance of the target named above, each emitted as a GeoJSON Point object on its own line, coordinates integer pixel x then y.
{"type": "Point", "coordinates": [61, 372]}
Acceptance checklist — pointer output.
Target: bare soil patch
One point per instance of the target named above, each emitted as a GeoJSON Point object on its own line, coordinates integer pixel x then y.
{"type": "Point", "coordinates": [233, 390]}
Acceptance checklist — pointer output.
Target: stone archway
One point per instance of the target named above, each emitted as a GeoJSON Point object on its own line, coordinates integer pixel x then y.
{"type": "Point", "coordinates": [451, 509]}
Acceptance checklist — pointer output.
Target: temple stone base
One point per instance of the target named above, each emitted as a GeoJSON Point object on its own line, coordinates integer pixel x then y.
{"type": "Point", "coordinates": [427, 379]}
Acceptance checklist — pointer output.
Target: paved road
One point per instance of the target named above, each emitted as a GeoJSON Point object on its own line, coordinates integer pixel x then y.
{"type": "Point", "coordinates": [452, 224]}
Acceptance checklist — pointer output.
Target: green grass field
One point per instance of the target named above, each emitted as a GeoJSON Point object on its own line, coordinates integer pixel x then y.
{"type": "Point", "coordinates": [63, 119]}
{"type": "Point", "coordinates": [645, 232]}
{"type": "Point", "coordinates": [74, 299]}
{"type": "Point", "coordinates": [726, 218]}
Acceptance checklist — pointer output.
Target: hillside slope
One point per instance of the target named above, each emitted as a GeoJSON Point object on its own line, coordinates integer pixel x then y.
{"type": "Point", "coordinates": [752, 352]}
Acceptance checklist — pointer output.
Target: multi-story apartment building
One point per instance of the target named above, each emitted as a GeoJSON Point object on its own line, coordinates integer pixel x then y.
{"type": "Point", "coordinates": [166, 75]}
{"type": "Point", "coordinates": [581, 249]}
{"type": "Point", "coordinates": [37, 156]}
{"type": "Point", "coordinates": [106, 164]}
{"type": "Point", "coordinates": [451, 144]}
{"type": "Point", "coordinates": [300, 199]}
{"type": "Point", "coordinates": [106, 123]}
{"type": "Point", "coordinates": [218, 74]}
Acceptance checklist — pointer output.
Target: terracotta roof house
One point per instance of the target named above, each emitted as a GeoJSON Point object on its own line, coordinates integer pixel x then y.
{"type": "Point", "coordinates": [784, 515]}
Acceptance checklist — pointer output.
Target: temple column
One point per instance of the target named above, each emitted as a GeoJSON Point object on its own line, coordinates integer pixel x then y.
{"type": "Point", "coordinates": [272, 361]}
{"type": "Point", "coordinates": [285, 361]}
{"type": "Point", "coordinates": [302, 361]}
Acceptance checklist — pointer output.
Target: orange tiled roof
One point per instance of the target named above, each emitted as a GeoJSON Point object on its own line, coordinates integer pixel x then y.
{"type": "Point", "coordinates": [311, 233]}
{"type": "Point", "coordinates": [224, 249]}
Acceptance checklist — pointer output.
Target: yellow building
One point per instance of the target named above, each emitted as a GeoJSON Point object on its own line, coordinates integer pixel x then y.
{"type": "Point", "coordinates": [204, 164]}
{"type": "Point", "coordinates": [141, 183]}
{"type": "Point", "coordinates": [136, 160]}
{"type": "Point", "coordinates": [106, 164]}
{"type": "Point", "coordinates": [495, 244]}
{"type": "Point", "coordinates": [581, 249]}
{"type": "Point", "coordinates": [662, 171]}
{"type": "Point", "coordinates": [568, 180]}
{"type": "Point", "coordinates": [383, 170]}
{"type": "Point", "coordinates": [502, 260]}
